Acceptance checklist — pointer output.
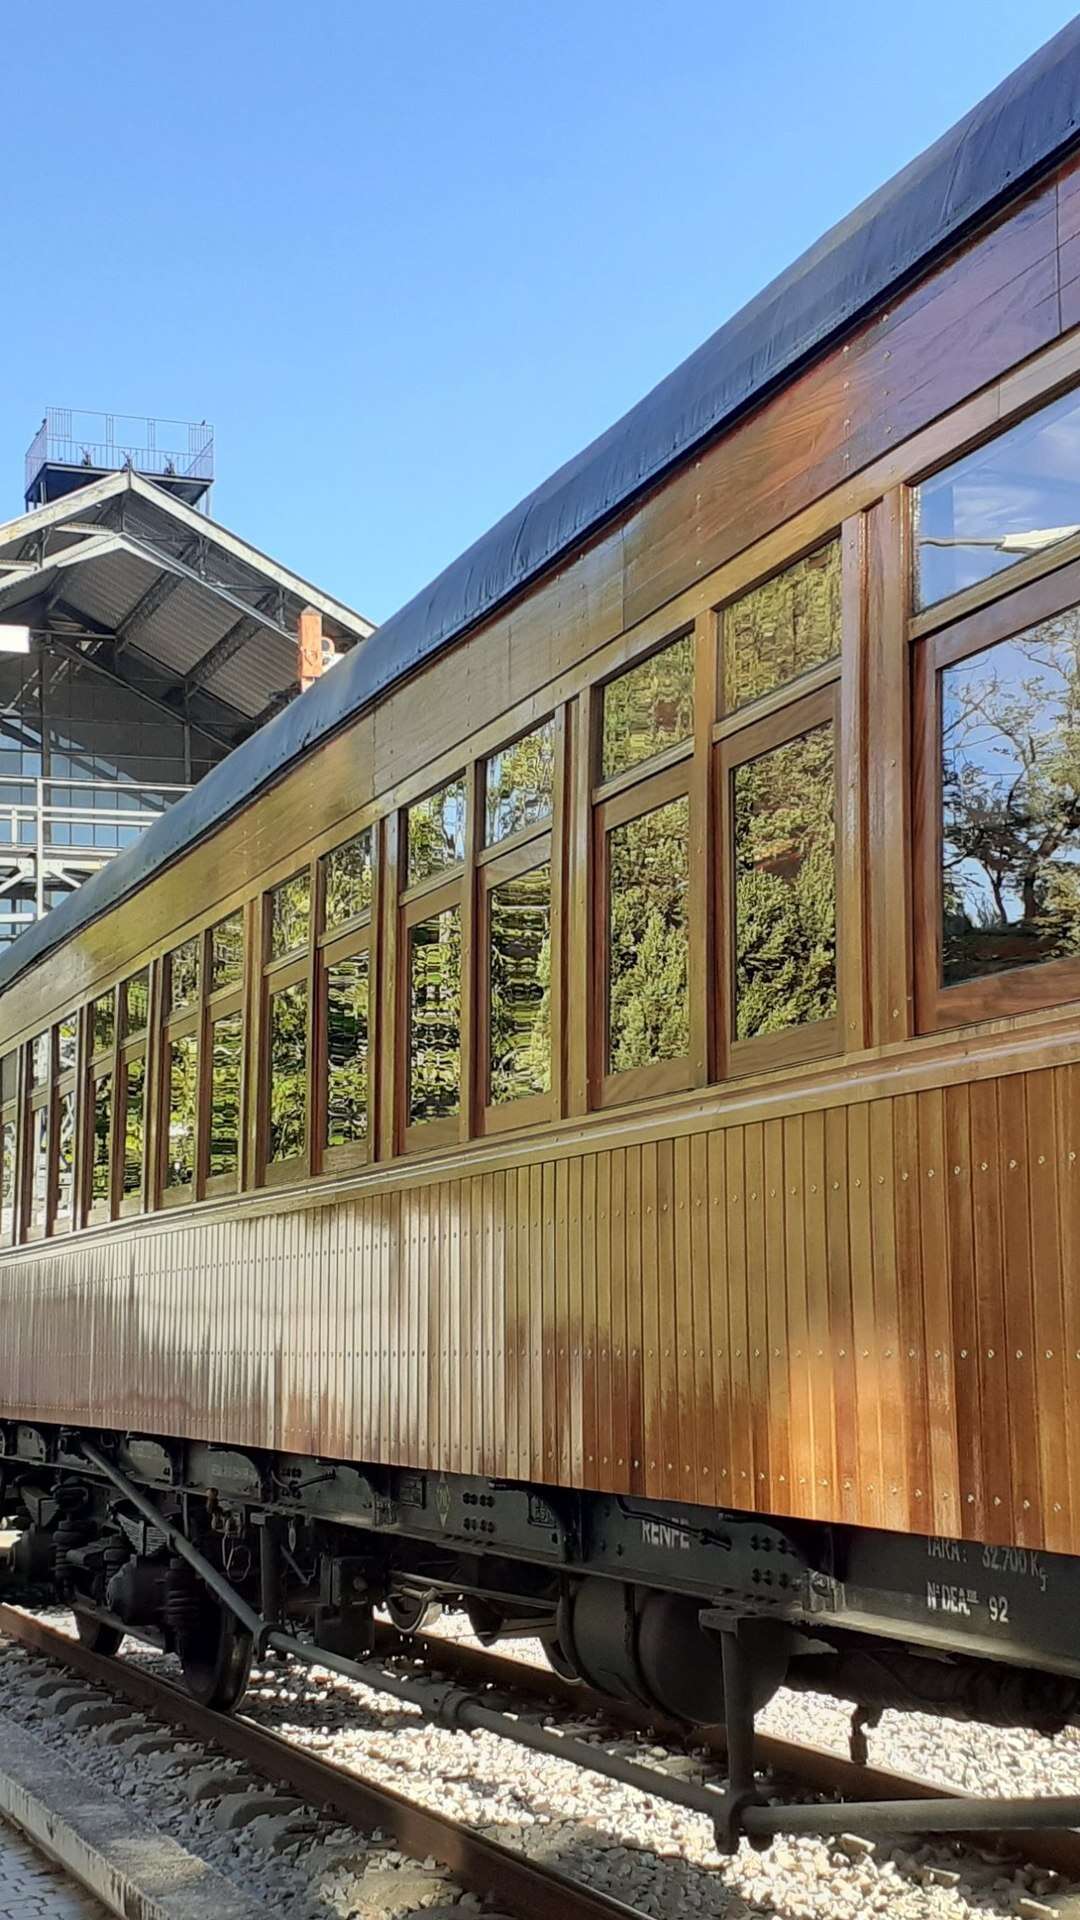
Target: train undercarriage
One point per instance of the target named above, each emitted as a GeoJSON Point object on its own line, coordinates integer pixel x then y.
{"type": "Point", "coordinates": [635, 1598]}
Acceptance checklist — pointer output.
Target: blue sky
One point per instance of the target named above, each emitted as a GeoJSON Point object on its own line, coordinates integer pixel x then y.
{"type": "Point", "coordinates": [408, 259]}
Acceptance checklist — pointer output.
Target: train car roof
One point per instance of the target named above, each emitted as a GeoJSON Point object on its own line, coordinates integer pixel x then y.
{"type": "Point", "coordinates": [1018, 131]}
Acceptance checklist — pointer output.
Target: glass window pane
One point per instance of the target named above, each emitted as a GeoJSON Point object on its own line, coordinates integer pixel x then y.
{"type": "Point", "coordinates": [519, 986]}
{"type": "Point", "coordinates": [288, 1072]}
{"type": "Point", "coordinates": [782, 628]}
{"type": "Point", "coordinates": [347, 1051]}
{"type": "Point", "coordinates": [519, 784]}
{"type": "Point", "coordinates": [435, 1016]}
{"type": "Point", "coordinates": [101, 1170]}
{"type": "Point", "coordinates": [436, 831]}
{"type": "Point", "coordinates": [183, 1098]}
{"type": "Point", "coordinates": [104, 1022]}
{"type": "Point", "coordinates": [39, 1170]}
{"type": "Point", "coordinates": [40, 1056]}
{"type": "Point", "coordinates": [784, 806]}
{"type": "Point", "coordinates": [648, 709]}
{"type": "Point", "coordinates": [7, 1181]}
{"type": "Point", "coordinates": [1019, 494]}
{"type": "Point", "coordinates": [227, 952]}
{"type": "Point", "coordinates": [134, 1105]}
{"type": "Point", "coordinates": [290, 915]}
{"type": "Point", "coordinates": [648, 944]}
{"type": "Point", "coordinates": [1010, 776]}
{"type": "Point", "coordinates": [226, 1042]}
{"type": "Point", "coordinates": [9, 1077]}
{"type": "Point", "coordinates": [348, 877]}
{"type": "Point", "coordinates": [67, 1043]}
{"type": "Point", "coordinates": [184, 975]}
{"type": "Point", "coordinates": [65, 1159]}
{"type": "Point", "coordinates": [136, 1000]}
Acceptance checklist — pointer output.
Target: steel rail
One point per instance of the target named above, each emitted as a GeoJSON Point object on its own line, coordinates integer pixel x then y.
{"type": "Point", "coordinates": [534, 1890]}
{"type": "Point", "coordinates": [818, 1768]}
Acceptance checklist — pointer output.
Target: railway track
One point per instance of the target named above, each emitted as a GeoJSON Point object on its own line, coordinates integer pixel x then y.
{"type": "Point", "coordinates": [530, 1889]}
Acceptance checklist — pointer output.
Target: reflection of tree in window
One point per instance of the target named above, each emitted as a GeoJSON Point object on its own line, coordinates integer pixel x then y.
{"type": "Point", "coordinates": [183, 1100]}
{"type": "Point", "coordinates": [288, 1072]}
{"type": "Point", "coordinates": [101, 1171]}
{"type": "Point", "coordinates": [435, 831]}
{"type": "Point", "coordinates": [347, 1051]}
{"type": "Point", "coordinates": [65, 1159]}
{"type": "Point", "coordinates": [227, 952]}
{"type": "Point", "coordinates": [1010, 770]}
{"type": "Point", "coordinates": [40, 1174]}
{"type": "Point", "coordinates": [519, 784]}
{"type": "Point", "coordinates": [67, 1041]}
{"type": "Point", "coordinates": [103, 1023]}
{"type": "Point", "coordinates": [785, 886]}
{"type": "Point", "coordinates": [290, 915]}
{"type": "Point", "coordinates": [435, 1016]}
{"type": "Point", "coordinates": [133, 1125]}
{"type": "Point", "coordinates": [782, 628]}
{"type": "Point", "coordinates": [225, 1047]}
{"type": "Point", "coordinates": [648, 709]}
{"type": "Point", "coordinates": [183, 975]}
{"type": "Point", "coordinates": [136, 1001]}
{"type": "Point", "coordinates": [7, 1179]}
{"type": "Point", "coordinates": [519, 961]}
{"type": "Point", "coordinates": [648, 948]}
{"type": "Point", "coordinates": [348, 873]}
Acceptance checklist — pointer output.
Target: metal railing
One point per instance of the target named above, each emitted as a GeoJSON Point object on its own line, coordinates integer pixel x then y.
{"type": "Point", "coordinates": [69, 437]}
{"type": "Point", "coordinates": [55, 832]}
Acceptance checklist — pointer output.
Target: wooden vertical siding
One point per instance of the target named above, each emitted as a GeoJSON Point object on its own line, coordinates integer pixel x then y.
{"type": "Point", "coordinates": [866, 1313]}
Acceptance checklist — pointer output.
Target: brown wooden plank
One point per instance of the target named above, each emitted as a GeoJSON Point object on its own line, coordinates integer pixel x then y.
{"type": "Point", "coordinates": [1057, 1448]}
{"type": "Point", "coordinates": [934, 1180]}
{"type": "Point", "coordinates": [1025, 1407]}
{"type": "Point", "coordinates": [994, 1432]}
{"type": "Point", "coordinates": [877, 1473]}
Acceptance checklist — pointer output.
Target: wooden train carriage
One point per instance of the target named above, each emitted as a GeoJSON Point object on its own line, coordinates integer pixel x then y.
{"type": "Point", "coordinates": [620, 1033]}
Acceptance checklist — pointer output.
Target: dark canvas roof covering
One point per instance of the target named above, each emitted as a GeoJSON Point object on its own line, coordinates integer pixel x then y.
{"type": "Point", "coordinates": [1017, 131]}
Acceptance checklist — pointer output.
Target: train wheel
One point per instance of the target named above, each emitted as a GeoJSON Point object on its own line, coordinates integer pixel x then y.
{"type": "Point", "coordinates": [411, 1613]}
{"type": "Point", "coordinates": [215, 1656]}
{"type": "Point", "coordinates": [97, 1634]}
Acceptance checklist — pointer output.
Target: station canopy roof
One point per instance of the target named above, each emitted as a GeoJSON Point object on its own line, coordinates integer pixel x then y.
{"type": "Point", "coordinates": [125, 574]}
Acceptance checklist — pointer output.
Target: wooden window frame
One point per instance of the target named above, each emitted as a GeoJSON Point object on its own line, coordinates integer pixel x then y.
{"type": "Point", "coordinates": [103, 1060]}
{"type": "Point", "coordinates": [290, 969]}
{"type": "Point", "coordinates": [758, 736]}
{"type": "Point", "coordinates": [1016, 990]}
{"type": "Point", "coordinates": [614, 805]}
{"type": "Point", "coordinates": [65, 1083]}
{"type": "Point", "coordinates": [37, 1099]}
{"type": "Point", "coordinates": [505, 862]}
{"type": "Point", "coordinates": [343, 942]}
{"type": "Point", "coordinates": [423, 903]}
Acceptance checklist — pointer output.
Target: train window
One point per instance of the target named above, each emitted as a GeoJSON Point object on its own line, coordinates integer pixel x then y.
{"type": "Point", "coordinates": [227, 952]}
{"type": "Point", "coordinates": [103, 1022]}
{"type": "Point", "coordinates": [65, 1160]}
{"type": "Point", "coordinates": [435, 832]}
{"type": "Point", "coordinates": [288, 1058]}
{"type": "Point", "coordinates": [136, 1002]}
{"type": "Point", "coordinates": [518, 945]}
{"type": "Point", "coordinates": [782, 629]}
{"type": "Point", "coordinates": [183, 975]}
{"type": "Point", "coordinates": [649, 709]}
{"type": "Point", "coordinates": [519, 784]}
{"type": "Point", "coordinates": [290, 915]}
{"type": "Point", "coordinates": [40, 1059]}
{"type": "Point", "coordinates": [182, 1073]}
{"type": "Point", "coordinates": [9, 1132]}
{"type": "Point", "coordinates": [648, 946]}
{"type": "Point", "coordinates": [39, 1168]}
{"type": "Point", "coordinates": [1016, 496]}
{"type": "Point", "coordinates": [998, 827]}
{"type": "Point", "coordinates": [101, 1145]}
{"type": "Point", "coordinates": [67, 1043]}
{"type": "Point", "coordinates": [434, 1016]}
{"type": "Point", "coordinates": [348, 881]}
{"type": "Point", "coordinates": [783, 806]}
{"type": "Point", "coordinates": [134, 1130]}
{"type": "Point", "coordinates": [226, 1057]}
{"type": "Point", "coordinates": [347, 984]}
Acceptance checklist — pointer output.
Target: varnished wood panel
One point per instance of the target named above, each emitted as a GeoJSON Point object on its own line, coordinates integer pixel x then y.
{"type": "Point", "coordinates": [864, 1315]}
